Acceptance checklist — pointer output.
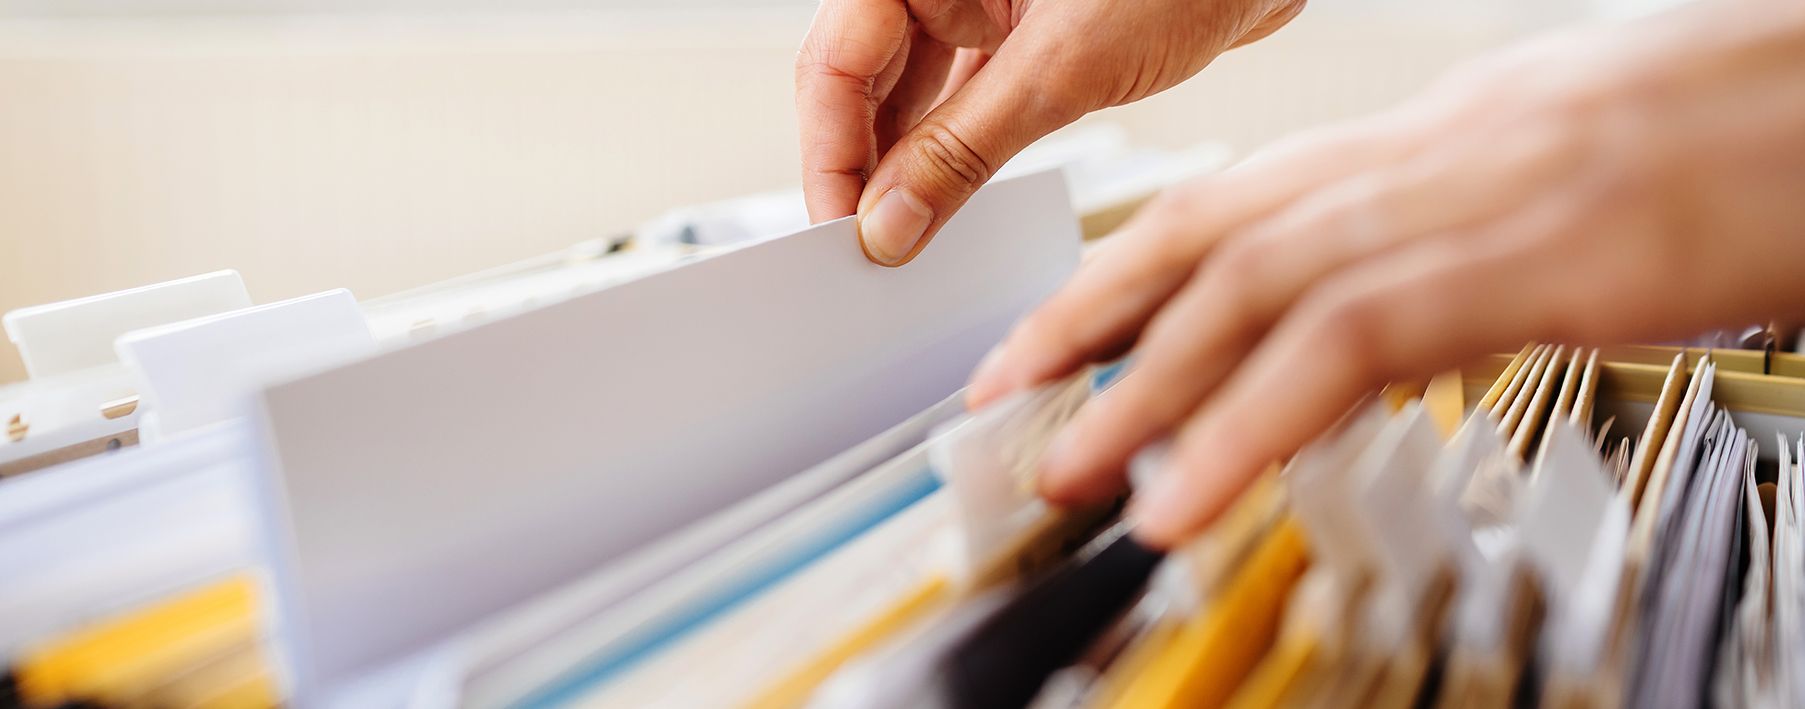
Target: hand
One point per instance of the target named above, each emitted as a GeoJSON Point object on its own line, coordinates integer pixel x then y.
{"type": "Point", "coordinates": [1636, 183]}
{"type": "Point", "coordinates": [908, 106]}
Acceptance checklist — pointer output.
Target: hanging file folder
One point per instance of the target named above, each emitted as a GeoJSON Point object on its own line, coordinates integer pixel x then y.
{"type": "Point", "coordinates": [513, 457]}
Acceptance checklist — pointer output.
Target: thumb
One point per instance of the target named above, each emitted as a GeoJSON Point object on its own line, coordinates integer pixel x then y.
{"type": "Point", "coordinates": [933, 169]}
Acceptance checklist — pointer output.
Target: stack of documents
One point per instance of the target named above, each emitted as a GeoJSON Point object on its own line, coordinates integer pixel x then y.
{"type": "Point", "coordinates": [745, 477]}
{"type": "Point", "coordinates": [1526, 558]}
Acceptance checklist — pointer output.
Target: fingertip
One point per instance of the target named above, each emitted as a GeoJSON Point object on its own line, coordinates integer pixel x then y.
{"type": "Point", "coordinates": [1168, 518]}
{"type": "Point", "coordinates": [1200, 481]}
{"type": "Point", "coordinates": [1068, 477]}
{"type": "Point", "coordinates": [824, 207]}
{"type": "Point", "coordinates": [830, 191]}
{"type": "Point", "coordinates": [879, 257]}
{"type": "Point", "coordinates": [1118, 432]}
{"type": "Point", "coordinates": [1056, 478]}
{"type": "Point", "coordinates": [1152, 533]}
{"type": "Point", "coordinates": [1158, 515]}
{"type": "Point", "coordinates": [895, 228]}
{"type": "Point", "coordinates": [1009, 368]}
{"type": "Point", "coordinates": [1066, 461]}
{"type": "Point", "coordinates": [986, 383]}
{"type": "Point", "coordinates": [1076, 491]}
{"type": "Point", "coordinates": [1156, 518]}
{"type": "Point", "coordinates": [1077, 496]}
{"type": "Point", "coordinates": [978, 397]}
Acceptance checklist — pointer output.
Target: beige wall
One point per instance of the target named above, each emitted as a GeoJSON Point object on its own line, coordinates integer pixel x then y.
{"type": "Point", "coordinates": [384, 153]}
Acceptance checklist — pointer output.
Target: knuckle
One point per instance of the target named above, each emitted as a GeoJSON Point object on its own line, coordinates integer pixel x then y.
{"type": "Point", "coordinates": [1624, 183]}
{"type": "Point", "coordinates": [1219, 309]}
{"type": "Point", "coordinates": [1557, 141]}
{"type": "Point", "coordinates": [1240, 266]}
{"type": "Point", "coordinates": [1574, 108]}
{"type": "Point", "coordinates": [1367, 188]}
{"type": "Point", "coordinates": [1171, 335]}
{"type": "Point", "coordinates": [1172, 208]}
{"type": "Point", "coordinates": [815, 71]}
{"type": "Point", "coordinates": [931, 12]}
{"type": "Point", "coordinates": [950, 160]}
{"type": "Point", "coordinates": [1614, 170]}
{"type": "Point", "coordinates": [1582, 324]}
{"type": "Point", "coordinates": [1353, 210]}
{"type": "Point", "coordinates": [1234, 281]}
{"type": "Point", "coordinates": [1164, 231]}
{"type": "Point", "coordinates": [1164, 207]}
{"type": "Point", "coordinates": [1176, 226]}
{"type": "Point", "coordinates": [1241, 312]}
{"type": "Point", "coordinates": [1353, 327]}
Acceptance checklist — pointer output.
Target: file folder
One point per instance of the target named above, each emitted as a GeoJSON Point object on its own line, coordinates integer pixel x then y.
{"type": "Point", "coordinates": [585, 429]}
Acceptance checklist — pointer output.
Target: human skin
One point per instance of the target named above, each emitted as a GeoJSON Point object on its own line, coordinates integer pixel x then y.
{"type": "Point", "coordinates": [1606, 184]}
{"type": "Point", "coordinates": [908, 106]}
{"type": "Point", "coordinates": [1638, 182]}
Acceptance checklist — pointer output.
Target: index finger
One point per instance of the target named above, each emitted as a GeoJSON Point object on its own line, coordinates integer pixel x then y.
{"type": "Point", "coordinates": [849, 44]}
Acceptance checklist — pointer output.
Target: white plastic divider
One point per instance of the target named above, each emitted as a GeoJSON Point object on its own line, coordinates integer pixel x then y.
{"type": "Point", "coordinates": [415, 493]}
{"type": "Point", "coordinates": [200, 372]}
{"type": "Point", "coordinates": [73, 335]}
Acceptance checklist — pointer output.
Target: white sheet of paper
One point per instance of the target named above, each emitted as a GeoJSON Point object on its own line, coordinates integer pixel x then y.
{"type": "Point", "coordinates": [988, 460]}
{"type": "Point", "coordinates": [1392, 496]}
{"type": "Point", "coordinates": [1484, 584]}
{"type": "Point", "coordinates": [1573, 530]}
{"type": "Point", "coordinates": [1743, 676]}
{"type": "Point", "coordinates": [1321, 487]}
{"type": "Point", "coordinates": [416, 492]}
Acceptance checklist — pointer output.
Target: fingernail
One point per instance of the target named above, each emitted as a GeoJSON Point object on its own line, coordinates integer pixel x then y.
{"type": "Point", "coordinates": [1058, 455]}
{"type": "Point", "coordinates": [1053, 476]}
{"type": "Point", "coordinates": [892, 227]}
{"type": "Point", "coordinates": [1155, 511]}
{"type": "Point", "coordinates": [988, 367]}
{"type": "Point", "coordinates": [1148, 466]}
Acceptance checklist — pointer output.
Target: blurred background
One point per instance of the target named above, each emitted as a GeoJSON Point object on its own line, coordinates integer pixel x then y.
{"type": "Point", "coordinates": [379, 146]}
